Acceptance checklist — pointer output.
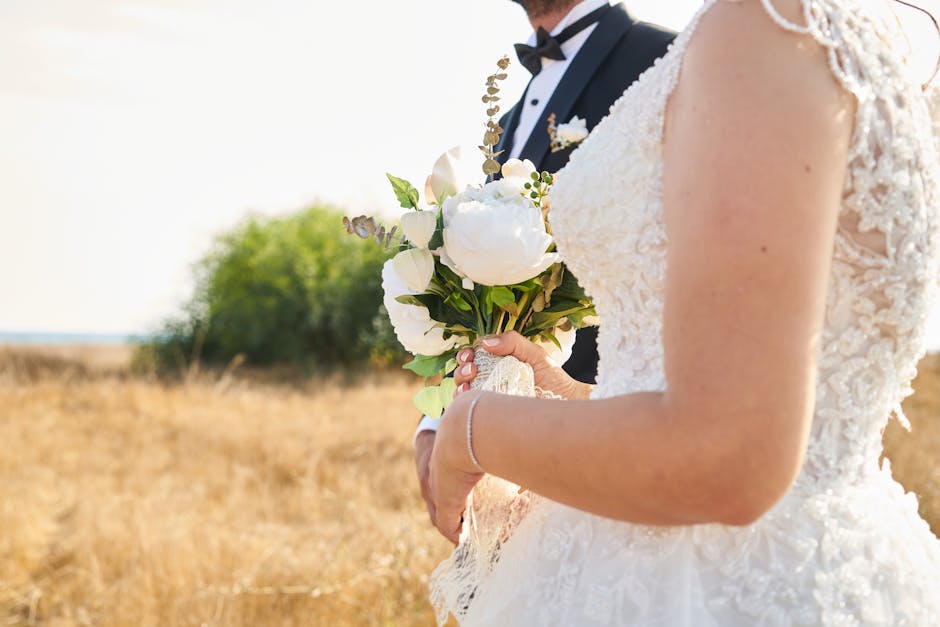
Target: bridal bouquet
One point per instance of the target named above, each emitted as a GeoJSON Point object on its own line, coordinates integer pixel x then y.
{"type": "Point", "coordinates": [475, 262]}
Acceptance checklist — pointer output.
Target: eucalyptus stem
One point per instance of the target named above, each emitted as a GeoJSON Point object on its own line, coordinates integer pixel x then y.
{"type": "Point", "coordinates": [523, 303]}
{"type": "Point", "coordinates": [497, 328]}
{"type": "Point", "coordinates": [481, 325]}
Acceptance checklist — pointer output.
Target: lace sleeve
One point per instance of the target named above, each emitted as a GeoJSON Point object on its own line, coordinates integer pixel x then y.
{"type": "Point", "coordinates": [886, 259]}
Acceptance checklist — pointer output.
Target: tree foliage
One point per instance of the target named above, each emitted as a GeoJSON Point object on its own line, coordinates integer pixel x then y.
{"type": "Point", "coordinates": [292, 289]}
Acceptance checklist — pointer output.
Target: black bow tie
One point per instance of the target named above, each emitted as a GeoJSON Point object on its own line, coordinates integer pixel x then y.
{"type": "Point", "coordinates": [549, 47]}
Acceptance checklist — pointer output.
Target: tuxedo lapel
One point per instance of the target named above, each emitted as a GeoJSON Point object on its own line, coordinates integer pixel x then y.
{"type": "Point", "coordinates": [610, 29]}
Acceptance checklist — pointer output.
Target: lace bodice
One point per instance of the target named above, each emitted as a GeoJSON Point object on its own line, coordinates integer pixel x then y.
{"type": "Point", "coordinates": [846, 545]}
{"type": "Point", "coordinates": [886, 260]}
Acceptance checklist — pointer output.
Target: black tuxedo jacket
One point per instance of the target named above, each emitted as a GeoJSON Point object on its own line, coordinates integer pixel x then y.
{"type": "Point", "coordinates": [618, 50]}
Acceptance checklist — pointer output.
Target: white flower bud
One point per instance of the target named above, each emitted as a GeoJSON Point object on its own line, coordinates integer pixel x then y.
{"type": "Point", "coordinates": [418, 227]}
{"type": "Point", "coordinates": [415, 267]}
{"type": "Point", "coordinates": [443, 180]}
{"type": "Point", "coordinates": [522, 169]}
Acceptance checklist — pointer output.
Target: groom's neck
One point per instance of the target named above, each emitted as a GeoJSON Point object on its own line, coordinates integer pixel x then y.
{"type": "Point", "coordinates": [551, 19]}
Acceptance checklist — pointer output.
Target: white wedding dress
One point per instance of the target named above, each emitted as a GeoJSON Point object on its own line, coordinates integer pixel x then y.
{"type": "Point", "coordinates": [846, 546]}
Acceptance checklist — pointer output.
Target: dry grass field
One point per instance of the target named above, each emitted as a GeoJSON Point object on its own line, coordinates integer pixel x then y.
{"type": "Point", "coordinates": [125, 501]}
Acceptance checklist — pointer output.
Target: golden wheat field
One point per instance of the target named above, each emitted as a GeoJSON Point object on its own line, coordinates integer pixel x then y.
{"type": "Point", "coordinates": [230, 501]}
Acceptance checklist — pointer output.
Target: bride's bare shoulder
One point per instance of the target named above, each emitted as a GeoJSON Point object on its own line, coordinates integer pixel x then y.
{"type": "Point", "coordinates": [790, 12]}
{"type": "Point", "coordinates": [743, 42]}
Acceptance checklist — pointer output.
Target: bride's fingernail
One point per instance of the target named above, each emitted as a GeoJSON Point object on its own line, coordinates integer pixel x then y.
{"type": "Point", "coordinates": [465, 371]}
{"type": "Point", "coordinates": [491, 341]}
{"type": "Point", "coordinates": [463, 355]}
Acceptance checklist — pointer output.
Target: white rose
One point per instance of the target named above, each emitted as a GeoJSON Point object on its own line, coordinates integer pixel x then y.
{"type": "Point", "coordinates": [418, 227]}
{"type": "Point", "coordinates": [443, 181]}
{"type": "Point", "coordinates": [414, 328]}
{"type": "Point", "coordinates": [415, 267]}
{"type": "Point", "coordinates": [522, 169]}
{"type": "Point", "coordinates": [496, 242]}
{"type": "Point", "coordinates": [573, 132]}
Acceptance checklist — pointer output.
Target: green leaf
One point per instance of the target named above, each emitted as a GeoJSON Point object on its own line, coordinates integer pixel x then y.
{"type": "Point", "coordinates": [437, 240]}
{"type": "Point", "coordinates": [432, 401]}
{"type": "Point", "coordinates": [408, 299]}
{"type": "Point", "coordinates": [577, 318]}
{"type": "Point", "coordinates": [429, 366]}
{"type": "Point", "coordinates": [457, 301]}
{"type": "Point", "coordinates": [551, 338]}
{"type": "Point", "coordinates": [528, 286]}
{"type": "Point", "coordinates": [405, 192]}
{"type": "Point", "coordinates": [501, 296]}
{"type": "Point", "coordinates": [546, 320]}
{"type": "Point", "coordinates": [450, 276]}
{"type": "Point", "coordinates": [569, 288]}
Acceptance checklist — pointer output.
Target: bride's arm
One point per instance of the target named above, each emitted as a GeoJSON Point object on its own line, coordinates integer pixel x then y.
{"type": "Point", "coordinates": [755, 148]}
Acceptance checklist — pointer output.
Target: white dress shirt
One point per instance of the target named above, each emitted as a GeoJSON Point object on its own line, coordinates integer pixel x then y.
{"type": "Point", "coordinates": [533, 118]}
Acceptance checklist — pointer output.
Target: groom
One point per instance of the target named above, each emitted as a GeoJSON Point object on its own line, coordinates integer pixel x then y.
{"type": "Point", "coordinates": [582, 56]}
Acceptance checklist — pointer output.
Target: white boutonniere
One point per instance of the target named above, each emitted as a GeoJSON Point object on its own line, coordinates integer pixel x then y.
{"type": "Point", "coordinates": [566, 135]}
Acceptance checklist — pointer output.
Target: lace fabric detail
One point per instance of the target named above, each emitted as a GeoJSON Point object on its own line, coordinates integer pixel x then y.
{"type": "Point", "coordinates": [495, 507]}
{"type": "Point", "coordinates": [846, 545]}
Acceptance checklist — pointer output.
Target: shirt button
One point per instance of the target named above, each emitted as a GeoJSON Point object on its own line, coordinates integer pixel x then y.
{"type": "Point", "coordinates": [535, 102]}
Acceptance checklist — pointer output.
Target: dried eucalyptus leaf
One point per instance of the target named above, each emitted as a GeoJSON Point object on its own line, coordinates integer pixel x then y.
{"type": "Point", "coordinates": [539, 302]}
{"type": "Point", "coordinates": [364, 227]}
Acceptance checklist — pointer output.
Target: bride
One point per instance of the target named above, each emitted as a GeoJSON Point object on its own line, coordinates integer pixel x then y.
{"type": "Point", "coordinates": [758, 221]}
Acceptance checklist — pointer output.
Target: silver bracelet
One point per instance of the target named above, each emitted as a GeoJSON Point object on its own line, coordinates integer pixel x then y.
{"type": "Point", "coordinates": [473, 405]}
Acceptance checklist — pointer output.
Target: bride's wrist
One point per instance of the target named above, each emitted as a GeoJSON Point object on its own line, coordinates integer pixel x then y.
{"type": "Point", "coordinates": [582, 391]}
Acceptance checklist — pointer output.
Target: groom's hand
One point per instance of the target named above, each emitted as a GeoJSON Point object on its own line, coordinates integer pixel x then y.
{"type": "Point", "coordinates": [424, 445]}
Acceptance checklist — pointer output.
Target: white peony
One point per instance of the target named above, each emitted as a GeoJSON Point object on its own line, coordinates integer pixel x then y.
{"type": "Point", "coordinates": [443, 181]}
{"type": "Point", "coordinates": [573, 132]}
{"type": "Point", "coordinates": [507, 187]}
{"type": "Point", "coordinates": [414, 328]}
{"type": "Point", "coordinates": [418, 227]}
{"type": "Point", "coordinates": [415, 267]}
{"type": "Point", "coordinates": [494, 237]}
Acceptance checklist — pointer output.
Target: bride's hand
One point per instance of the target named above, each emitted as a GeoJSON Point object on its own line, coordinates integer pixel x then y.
{"type": "Point", "coordinates": [548, 375]}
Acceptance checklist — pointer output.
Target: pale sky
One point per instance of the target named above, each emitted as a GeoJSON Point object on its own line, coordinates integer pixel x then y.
{"type": "Point", "coordinates": [135, 130]}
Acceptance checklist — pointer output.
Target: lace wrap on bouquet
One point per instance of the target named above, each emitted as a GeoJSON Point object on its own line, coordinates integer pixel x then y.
{"type": "Point", "coordinates": [495, 506]}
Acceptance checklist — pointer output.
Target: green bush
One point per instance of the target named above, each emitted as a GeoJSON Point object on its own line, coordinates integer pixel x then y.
{"type": "Point", "coordinates": [293, 289]}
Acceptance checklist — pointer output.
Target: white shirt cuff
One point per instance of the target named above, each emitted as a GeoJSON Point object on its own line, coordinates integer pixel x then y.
{"type": "Point", "coordinates": [427, 424]}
